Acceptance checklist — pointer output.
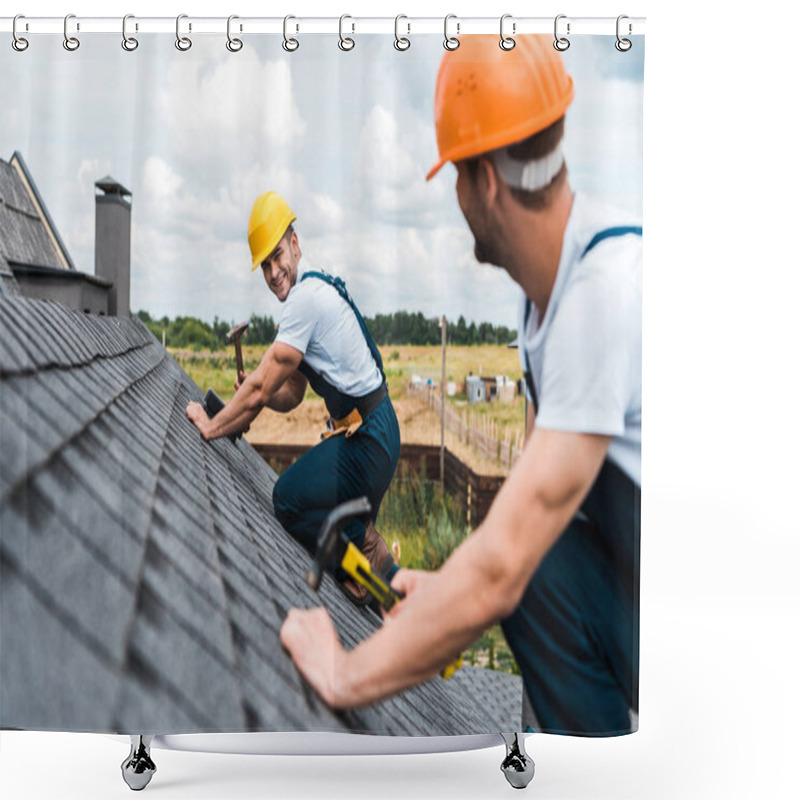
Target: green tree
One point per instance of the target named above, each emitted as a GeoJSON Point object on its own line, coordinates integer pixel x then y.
{"type": "Point", "coordinates": [220, 328]}
{"type": "Point", "coordinates": [261, 330]}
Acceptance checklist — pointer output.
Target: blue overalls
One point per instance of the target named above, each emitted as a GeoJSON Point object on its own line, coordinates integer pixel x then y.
{"type": "Point", "coordinates": [575, 633]}
{"type": "Point", "coordinates": [340, 468]}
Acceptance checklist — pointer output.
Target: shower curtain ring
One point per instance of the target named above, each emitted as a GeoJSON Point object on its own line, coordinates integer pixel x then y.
{"type": "Point", "coordinates": [19, 43]}
{"type": "Point", "coordinates": [233, 44]}
{"type": "Point", "coordinates": [401, 42]}
{"type": "Point", "coordinates": [289, 45]}
{"type": "Point", "coordinates": [623, 45]}
{"type": "Point", "coordinates": [129, 43]}
{"type": "Point", "coordinates": [183, 43]}
{"type": "Point", "coordinates": [507, 42]}
{"type": "Point", "coordinates": [71, 43]}
{"type": "Point", "coordinates": [561, 43]}
{"type": "Point", "coordinates": [451, 42]}
{"type": "Point", "coordinates": [345, 42]}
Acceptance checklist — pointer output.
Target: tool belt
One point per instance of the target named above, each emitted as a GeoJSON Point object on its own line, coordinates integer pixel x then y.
{"type": "Point", "coordinates": [352, 422]}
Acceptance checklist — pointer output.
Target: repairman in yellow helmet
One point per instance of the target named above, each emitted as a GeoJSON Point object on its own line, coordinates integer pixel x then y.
{"type": "Point", "coordinates": [322, 340]}
{"type": "Point", "coordinates": [556, 559]}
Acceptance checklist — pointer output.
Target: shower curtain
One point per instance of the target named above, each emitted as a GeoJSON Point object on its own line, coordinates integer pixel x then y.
{"type": "Point", "coordinates": [155, 571]}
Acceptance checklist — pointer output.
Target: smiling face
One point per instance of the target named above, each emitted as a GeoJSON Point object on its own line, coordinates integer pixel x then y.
{"type": "Point", "coordinates": [280, 266]}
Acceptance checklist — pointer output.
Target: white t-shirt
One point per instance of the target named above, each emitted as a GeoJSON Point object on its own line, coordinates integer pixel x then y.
{"type": "Point", "coordinates": [318, 321]}
{"type": "Point", "coordinates": [586, 354]}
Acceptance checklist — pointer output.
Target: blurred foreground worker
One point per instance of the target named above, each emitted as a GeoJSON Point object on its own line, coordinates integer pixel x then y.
{"type": "Point", "coordinates": [557, 558]}
{"type": "Point", "coordinates": [321, 340]}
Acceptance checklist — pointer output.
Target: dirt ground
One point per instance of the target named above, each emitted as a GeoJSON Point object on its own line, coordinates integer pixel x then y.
{"type": "Point", "coordinates": [418, 425]}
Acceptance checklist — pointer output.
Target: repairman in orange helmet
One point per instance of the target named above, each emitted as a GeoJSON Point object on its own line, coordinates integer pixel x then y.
{"type": "Point", "coordinates": [556, 559]}
{"type": "Point", "coordinates": [322, 340]}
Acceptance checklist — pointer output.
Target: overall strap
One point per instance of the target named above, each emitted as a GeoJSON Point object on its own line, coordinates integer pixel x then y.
{"type": "Point", "coordinates": [528, 371]}
{"type": "Point", "coordinates": [341, 288]}
{"type": "Point", "coordinates": [620, 230]}
{"type": "Point", "coordinates": [607, 233]}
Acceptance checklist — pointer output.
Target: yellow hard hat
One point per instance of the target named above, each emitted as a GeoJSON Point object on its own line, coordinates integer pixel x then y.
{"type": "Point", "coordinates": [269, 219]}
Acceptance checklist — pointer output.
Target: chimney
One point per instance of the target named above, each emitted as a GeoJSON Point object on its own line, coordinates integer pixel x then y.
{"type": "Point", "coordinates": [112, 243]}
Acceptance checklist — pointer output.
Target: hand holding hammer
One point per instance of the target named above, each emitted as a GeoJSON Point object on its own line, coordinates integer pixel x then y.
{"type": "Point", "coordinates": [335, 551]}
{"type": "Point", "coordinates": [235, 335]}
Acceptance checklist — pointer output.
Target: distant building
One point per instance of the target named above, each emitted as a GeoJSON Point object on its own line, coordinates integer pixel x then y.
{"type": "Point", "coordinates": [34, 261]}
{"type": "Point", "coordinates": [498, 388]}
{"type": "Point", "coordinates": [476, 389]}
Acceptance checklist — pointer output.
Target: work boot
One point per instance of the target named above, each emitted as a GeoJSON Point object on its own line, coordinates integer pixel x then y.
{"type": "Point", "coordinates": [380, 560]}
{"type": "Point", "coordinates": [377, 552]}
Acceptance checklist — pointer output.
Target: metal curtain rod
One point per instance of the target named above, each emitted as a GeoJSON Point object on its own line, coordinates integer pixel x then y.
{"type": "Point", "coordinates": [321, 25]}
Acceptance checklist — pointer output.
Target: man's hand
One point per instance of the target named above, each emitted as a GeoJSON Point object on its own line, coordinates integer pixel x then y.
{"type": "Point", "coordinates": [311, 640]}
{"type": "Point", "coordinates": [407, 581]}
{"type": "Point", "coordinates": [197, 414]}
{"type": "Point", "coordinates": [241, 377]}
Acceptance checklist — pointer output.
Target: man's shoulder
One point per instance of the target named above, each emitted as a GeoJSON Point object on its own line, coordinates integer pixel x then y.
{"type": "Point", "coordinates": [607, 247]}
{"type": "Point", "coordinates": [317, 281]}
{"type": "Point", "coordinates": [606, 277]}
{"type": "Point", "coordinates": [312, 294]}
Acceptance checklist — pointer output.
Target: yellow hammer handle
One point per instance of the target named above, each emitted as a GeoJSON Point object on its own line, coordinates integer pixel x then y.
{"type": "Point", "coordinates": [356, 565]}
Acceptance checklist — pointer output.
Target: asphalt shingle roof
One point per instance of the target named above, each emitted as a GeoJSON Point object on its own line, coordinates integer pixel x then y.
{"type": "Point", "coordinates": [143, 575]}
{"type": "Point", "coordinates": [8, 283]}
{"type": "Point", "coordinates": [24, 237]}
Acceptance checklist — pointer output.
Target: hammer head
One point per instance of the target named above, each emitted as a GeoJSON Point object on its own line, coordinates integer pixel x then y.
{"type": "Point", "coordinates": [236, 332]}
{"type": "Point", "coordinates": [331, 543]}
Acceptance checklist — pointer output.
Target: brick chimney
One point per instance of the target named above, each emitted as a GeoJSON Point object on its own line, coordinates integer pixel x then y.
{"type": "Point", "coordinates": [112, 242]}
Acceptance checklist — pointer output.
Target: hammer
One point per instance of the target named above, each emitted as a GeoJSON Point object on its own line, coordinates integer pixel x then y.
{"type": "Point", "coordinates": [335, 550]}
{"type": "Point", "coordinates": [235, 335]}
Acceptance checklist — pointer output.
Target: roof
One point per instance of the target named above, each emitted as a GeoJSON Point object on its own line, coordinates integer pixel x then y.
{"type": "Point", "coordinates": [72, 275]}
{"type": "Point", "coordinates": [143, 575]}
{"type": "Point", "coordinates": [8, 284]}
{"type": "Point", "coordinates": [27, 233]}
{"type": "Point", "coordinates": [499, 694]}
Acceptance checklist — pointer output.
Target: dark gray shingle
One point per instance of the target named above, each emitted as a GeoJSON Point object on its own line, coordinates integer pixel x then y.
{"type": "Point", "coordinates": [145, 578]}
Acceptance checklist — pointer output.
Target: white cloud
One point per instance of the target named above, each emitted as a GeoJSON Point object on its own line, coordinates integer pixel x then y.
{"type": "Point", "coordinates": [347, 140]}
{"type": "Point", "coordinates": [90, 171]}
{"type": "Point", "coordinates": [393, 158]}
{"type": "Point", "coordinates": [603, 140]}
{"type": "Point", "coordinates": [160, 181]}
{"type": "Point", "coordinates": [416, 269]}
{"type": "Point", "coordinates": [190, 252]}
{"type": "Point", "coordinates": [207, 107]}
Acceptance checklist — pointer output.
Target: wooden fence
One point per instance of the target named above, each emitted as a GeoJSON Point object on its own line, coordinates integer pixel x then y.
{"type": "Point", "coordinates": [476, 430]}
{"type": "Point", "coordinates": [475, 492]}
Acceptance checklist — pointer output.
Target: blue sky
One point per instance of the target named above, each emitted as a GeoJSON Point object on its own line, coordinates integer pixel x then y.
{"type": "Point", "coordinates": [346, 137]}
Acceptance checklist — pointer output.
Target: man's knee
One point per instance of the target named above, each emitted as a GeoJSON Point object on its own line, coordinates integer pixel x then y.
{"type": "Point", "coordinates": [281, 501]}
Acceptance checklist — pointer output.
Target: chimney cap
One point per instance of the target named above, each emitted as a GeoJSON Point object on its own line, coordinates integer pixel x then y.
{"type": "Point", "coordinates": [110, 186]}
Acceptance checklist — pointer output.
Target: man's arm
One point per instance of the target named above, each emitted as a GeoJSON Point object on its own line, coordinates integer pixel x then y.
{"type": "Point", "coordinates": [481, 583]}
{"type": "Point", "coordinates": [291, 394]}
{"type": "Point", "coordinates": [257, 391]}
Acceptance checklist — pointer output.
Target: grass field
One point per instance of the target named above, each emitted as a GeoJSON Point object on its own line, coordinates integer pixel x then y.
{"type": "Point", "coordinates": [401, 362]}
{"type": "Point", "coordinates": [425, 525]}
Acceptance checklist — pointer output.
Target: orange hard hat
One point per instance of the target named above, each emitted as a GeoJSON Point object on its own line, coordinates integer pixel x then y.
{"type": "Point", "coordinates": [487, 98]}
